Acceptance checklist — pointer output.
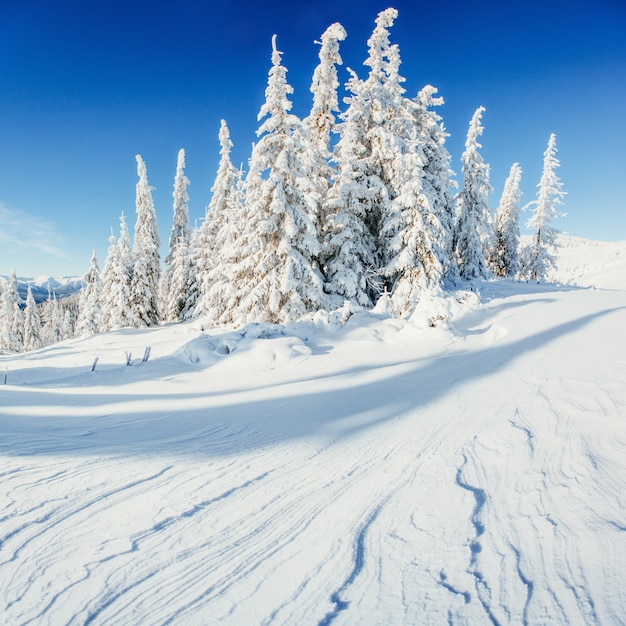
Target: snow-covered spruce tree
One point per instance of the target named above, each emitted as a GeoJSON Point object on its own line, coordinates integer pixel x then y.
{"type": "Point", "coordinates": [350, 249]}
{"type": "Point", "coordinates": [174, 287]}
{"type": "Point", "coordinates": [504, 256]}
{"type": "Point", "coordinates": [116, 279]}
{"type": "Point", "coordinates": [538, 258]}
{"type": "Point", "coordinates": [216, 244]}
{"type": "Point", "coordinates": [144, 286]}
{"type": "Point", "coordinates": [69, 321]}
{"type": "Point", "coordinates": [412, 237]}
{"type": "Point", "coordinates": [32, 323]}
{"type": "Point", "coordinates": [320, 124]}
{"type": "Point", "coordinates": [53, 321]}
{"type": "Point", "coordinates": [438, 183]}
{"type": "Point", "coordinates": [361, 190]}
{"type": "Point", "coordinates": [276, 279]}
{"type": "Point", "coordinates": [2, 314]}
{"type": "Point", "coordinates": [13, 331]}
{"type": "Point", "coordinates": [89, 305]}
{"type": "Point", "coordinates": [473, 227]}
{"type": "Point", "coordinates": [321, 121]}
{"type": "Point", "coordinates": [179, 275]}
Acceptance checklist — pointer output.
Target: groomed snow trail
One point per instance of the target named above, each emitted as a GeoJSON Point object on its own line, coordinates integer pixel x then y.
{"type": "Point", "coordinates": [376, 473]}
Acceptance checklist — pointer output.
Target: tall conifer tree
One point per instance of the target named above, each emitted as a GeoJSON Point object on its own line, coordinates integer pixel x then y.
{"type": "Point", "coordinates": [32, 323]}
{"type": "Point", "coordinates": [116, 280]}
{"type": "Point", "coordinates": [505, 255]}
{"type": "Point", "coordinates": [13, 332]}
{"type": "Point", "coordinates": [276, 279]}
{"type": "Point", "coordinates": [320, 125]}
{"type": "Point", "coordinates": [538, 258]}
{"type": "Point", "coordinates": [362, 188]}
{"type": "Point", "coordinates": [89, 306]}
{"type": "Point", "coordinates": [474, 222]}
{"type": "Point", "coordinates": [144, 287]}
{"type": "Point", "coordinates": [217, 242]}
{"type": "Point", "coordinates": [174, 287]}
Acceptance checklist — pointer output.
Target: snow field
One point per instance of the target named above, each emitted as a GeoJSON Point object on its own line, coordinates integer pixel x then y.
{"type": "Point", "coordinates": [377, 472]}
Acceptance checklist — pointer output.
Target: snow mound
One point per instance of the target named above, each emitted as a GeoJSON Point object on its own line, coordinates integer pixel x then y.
{"type": "Point", "coordinates": [588, 263]}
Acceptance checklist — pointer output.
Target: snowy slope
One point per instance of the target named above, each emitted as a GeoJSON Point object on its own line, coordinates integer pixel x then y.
{"type": "Point", "coordinates": [372, 473]}
{"type": "Point", "coordinates": [588, 263]}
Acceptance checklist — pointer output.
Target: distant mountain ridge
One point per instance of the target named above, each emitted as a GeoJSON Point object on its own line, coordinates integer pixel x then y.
{"type": "Point", "coordinates": [41, 286]}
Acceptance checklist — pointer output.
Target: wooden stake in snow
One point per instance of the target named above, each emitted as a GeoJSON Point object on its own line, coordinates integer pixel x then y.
{"type": "Point", "coordinates": [6, 374]}
{"type": "Point", "coordinates": [129, 358]}
{"type": "Point", "coordinates": [95, 362]}
{"type": "Point", "coordinates": [146, 355]}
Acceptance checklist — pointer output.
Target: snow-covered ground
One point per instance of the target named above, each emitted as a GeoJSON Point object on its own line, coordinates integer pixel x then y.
{"type": "Point", "coordinates": [377, 472]}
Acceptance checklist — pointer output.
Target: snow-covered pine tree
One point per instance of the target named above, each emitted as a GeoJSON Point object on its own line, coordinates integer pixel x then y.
{"type": "Point", "coordinates": [218, 235]}
{"type": "Point", "coordinates": [177, 261]}
{"type": "Point", "coordinates": [32, 323]}
{"type": "Point", "coordinates": [116, 279]}
{"type": "Point", "coordinates": [179, 275]}
{"type": "Point", "coordinates": [538, 258]}
{"type": "Point", "coordinates": [438, 180]}
{"type": "Point", "coordinates": [191, 279]}
{"type": "Point", "coordinates": [53, 321]}
{"type": "Point", "coordinates": [276, 279]}
{"type": "Point", "coordinates": [412, 237]}
{"type": "Point", "coordinates": [504, 256]}
{"type": "Point", "coordinates": [89, 305]}
{"type": "Point", "coordinates": [473, 227]}
{"type": "Point", "coordinates": [13, 332]}
{"type": "Point", "coordinates": [320, 124]}
{"type": "Point", "coordinates": [362, 187]}
{"type": "Point", "coordinates": [144, 286]}
{"type": "Point", "coordinates": [321, 120]}
{"type": "Point", "coordinates": [350, 249]}
{"type": "Point", "coordinates": [69, 321]}
{"type": "Point", "coordinates": [2, 314]}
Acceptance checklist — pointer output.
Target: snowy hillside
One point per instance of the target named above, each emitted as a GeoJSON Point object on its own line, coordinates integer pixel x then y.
{"type": "Point", "coordinates": [373, 472]}
{"type": "Point", "coordinates": [589, 263]}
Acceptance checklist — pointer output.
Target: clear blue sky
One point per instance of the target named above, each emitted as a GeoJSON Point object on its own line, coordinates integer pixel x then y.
{"type": "Point", "coordinates": [86, 85]}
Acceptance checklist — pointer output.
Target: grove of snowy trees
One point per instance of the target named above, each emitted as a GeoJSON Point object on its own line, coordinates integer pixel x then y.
{"type": "Point", "coordinates": [346, 205]}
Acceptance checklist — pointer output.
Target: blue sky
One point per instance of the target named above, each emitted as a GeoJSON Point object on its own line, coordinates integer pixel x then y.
{"type": "Point", "coordinates": [84, 86]}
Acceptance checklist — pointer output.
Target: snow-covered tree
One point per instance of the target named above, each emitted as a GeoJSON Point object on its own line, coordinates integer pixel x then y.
{"type": "Point", "coordinates": [2, 313]}
{"type": "Point", "coordinates": [89, 306]}
{"type": "Point", "coordinates": [504, 256]}
{"type": "Point", "coordinates": [180, 221]}
{"type": "Point", "coordinates": [362, 187]}
{"type": "Point", "coordinates": [179, 275]}
{"type": "Point", "coordinates": [472, 233]}
{"type": "Point", "coordinates": [116, 279]}
{"type": "Point", "coordinates": [538, 258]}
{"type": "Point", "coordinates": [13, 331]}
{"type": "Point", "coordinates": [32, 323]}
{"type": "Point", "coordinates": [350, 251]}
{"type": "Point", "coordinates": [438, 183]}
{"type": "Point", "coordinates": [54, 328]}
{"type": "Point", "coordinates": [276, 279]}
{"type": "Point", "coordinates": [319, 126]}
{"type": "Point", "coordinates": [177, 260]}
{"type": "Point", "coordinates": [412, 235]}
{"type": "Point", "coordinates": [321, 121]}
{"type": "Point", "coordinates": [216, 244]}
{"type": "Point", "coordinates": [144, 286]}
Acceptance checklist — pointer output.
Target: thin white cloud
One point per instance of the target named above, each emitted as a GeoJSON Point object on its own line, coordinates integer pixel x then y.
{"type": "Point", "coordinates": [22, 233]}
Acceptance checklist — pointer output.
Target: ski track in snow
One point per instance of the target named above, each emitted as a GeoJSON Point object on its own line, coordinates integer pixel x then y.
{"type": "Point", "coordinates": [367, 475]}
